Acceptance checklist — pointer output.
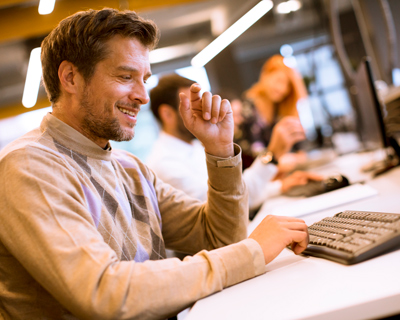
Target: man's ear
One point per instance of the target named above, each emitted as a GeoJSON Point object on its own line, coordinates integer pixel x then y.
{"type": "Point", "coordinates": [70, 78]}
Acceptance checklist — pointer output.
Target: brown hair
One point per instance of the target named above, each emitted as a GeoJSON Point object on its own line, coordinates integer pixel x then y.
{"type": "Point", "coordinates": [288, 107]}
{"type": "Point", "coordinates": [166, 92]}
{"type": "Point", "coordinates": [81, 39]}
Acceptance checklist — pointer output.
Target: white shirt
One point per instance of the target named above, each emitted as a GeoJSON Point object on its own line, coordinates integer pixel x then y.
{"type": "Point", "coordinates": [183, 165]}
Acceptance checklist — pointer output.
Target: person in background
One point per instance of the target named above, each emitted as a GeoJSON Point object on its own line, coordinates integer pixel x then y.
{"type": "Point", "coordinates": [84, 227]}
{"type": "Point", "coordinates": [178, 158]}
{"type": "Point", "coordinates": [272, 98]}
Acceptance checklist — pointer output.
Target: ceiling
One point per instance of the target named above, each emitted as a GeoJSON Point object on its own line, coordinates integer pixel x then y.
{"type": "Point", "coordinates": [191, 22]}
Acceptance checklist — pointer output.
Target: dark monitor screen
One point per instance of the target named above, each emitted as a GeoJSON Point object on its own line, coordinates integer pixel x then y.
{"type": "Point", "coordinates": [370, 123]}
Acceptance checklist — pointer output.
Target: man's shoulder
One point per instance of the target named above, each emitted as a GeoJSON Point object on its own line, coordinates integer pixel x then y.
{"type": "Point", "coordinates": [35, 152]}
{"type": "Point", "coordinates": [26, 144]}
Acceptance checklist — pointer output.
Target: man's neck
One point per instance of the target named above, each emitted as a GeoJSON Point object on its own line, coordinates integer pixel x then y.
{"type": "Point", "coordinates": [74, 123]}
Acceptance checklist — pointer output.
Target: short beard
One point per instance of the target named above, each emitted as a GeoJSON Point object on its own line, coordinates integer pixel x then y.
{"type": "Point", "coordinates": [105, 127]}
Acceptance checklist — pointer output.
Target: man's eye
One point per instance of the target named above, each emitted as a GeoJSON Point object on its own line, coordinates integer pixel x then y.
{"type": "Point", "coordinates": [126, 77]}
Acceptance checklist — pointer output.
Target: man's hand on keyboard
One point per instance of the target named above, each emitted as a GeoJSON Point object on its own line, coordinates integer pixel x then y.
{"type": "Point", "coordinates": [275, 233]}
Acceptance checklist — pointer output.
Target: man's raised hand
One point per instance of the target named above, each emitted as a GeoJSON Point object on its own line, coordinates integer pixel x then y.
{"type": "Point", "coordinates": [209, 119]}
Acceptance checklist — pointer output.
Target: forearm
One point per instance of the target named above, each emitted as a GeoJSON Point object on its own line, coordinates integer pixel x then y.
{"type": "Point", "coordinates": [190, 225]}
{"type": "Point", "coordinates": [222, 151]}
{"type": "Point", "coordinates": [227, 200]}
{"type": "Point", "coordinates": [178, 284]}
{"type": "Point", "coordinates": [92, 283]}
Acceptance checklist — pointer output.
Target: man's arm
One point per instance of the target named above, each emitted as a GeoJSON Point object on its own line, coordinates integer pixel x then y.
{"type": "Point", "coordinates": [48, 228]}
{"type": "Point", "coordinates": [211, 121]}
{"type": "Point", "coordinates": [222, 220]}
{"type": "Point", "coordinates": [190, 225]}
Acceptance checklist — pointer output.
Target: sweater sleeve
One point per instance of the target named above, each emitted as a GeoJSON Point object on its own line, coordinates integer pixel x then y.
{"type": "Point", "coordinates": [190, 225]}
{"type": "Point", "coordinates": [49, 230]}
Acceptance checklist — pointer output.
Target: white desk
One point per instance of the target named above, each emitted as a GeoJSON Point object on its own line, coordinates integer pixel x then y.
{"type": "Point", "coordinates": [299, 287]}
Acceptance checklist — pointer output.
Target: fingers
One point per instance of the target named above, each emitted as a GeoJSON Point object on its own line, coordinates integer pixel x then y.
{"type": "Point", "coordinates": [284, 219]}
{"type": "Point", "coordinates": [206, 104]}
{"type": "Point", "coordinates": [296, 225]}
{"type": "Point", "coordinates": [300, 241]}
{"type": "Point", "coordinates": [314, 176]}
{"type": "Point", "coordinates": [184, 108]}
{"type": "Point", "coordinates": [195, 96]}
{"type": "Point", "coordinates": [210, 107]}
{"type": "Point", "coordinates": [215, 108]}
{"type": "Point", "coordinates": [302, 177]}
{"type": "Point", "coordinates": [225, 109]}
{"type": "Point", "coordinates": [299, 235]}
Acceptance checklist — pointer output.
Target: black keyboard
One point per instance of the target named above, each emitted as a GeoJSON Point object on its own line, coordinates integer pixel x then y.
{"type": "Point", "coordinates": [350, 237]}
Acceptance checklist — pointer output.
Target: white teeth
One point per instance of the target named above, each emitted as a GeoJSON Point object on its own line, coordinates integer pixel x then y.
{"type": "Point", "coordinates": [127, 111]}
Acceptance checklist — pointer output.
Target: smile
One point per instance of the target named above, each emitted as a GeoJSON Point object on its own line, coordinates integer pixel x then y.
{"type": "Point", "coordinates": [131, 113]}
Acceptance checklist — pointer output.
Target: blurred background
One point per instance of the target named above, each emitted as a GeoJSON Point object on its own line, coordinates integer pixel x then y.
{"type": "Point", "coordinates": [325, 40]}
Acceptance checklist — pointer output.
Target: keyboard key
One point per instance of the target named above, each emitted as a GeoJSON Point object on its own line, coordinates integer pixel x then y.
{"type": "Point", "coordinates": [323, 234]}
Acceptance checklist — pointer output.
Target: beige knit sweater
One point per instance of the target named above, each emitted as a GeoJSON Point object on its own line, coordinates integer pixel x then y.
{"type": "Point", "coordinates": [83, 232]}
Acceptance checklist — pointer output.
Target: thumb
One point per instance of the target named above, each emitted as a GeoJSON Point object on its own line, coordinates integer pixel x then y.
{"type": "Point", "coordinates": [184, 108]}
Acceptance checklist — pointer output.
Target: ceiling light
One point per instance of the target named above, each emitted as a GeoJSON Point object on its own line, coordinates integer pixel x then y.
{"type": "Point", "coordinates": [174, 52]}
{"type": "Point", "coordinates": [290, 61]}
{"type": "Point", "coordinates": [286, 50]}
{"type": "Point", "coordinates": [288, 6]}
{"type": "Point", "coordinates": [32, 82]}
{"type": "Point", "coordinates": [46, 6]}
{"type": "Point", "coordinates": [232, 33]}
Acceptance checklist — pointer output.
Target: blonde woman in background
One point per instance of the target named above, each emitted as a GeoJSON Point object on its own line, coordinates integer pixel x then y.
{"type": "Point", "coordinates": [277, 92]}
{"type": "Point", "coordinates": [271, 99]}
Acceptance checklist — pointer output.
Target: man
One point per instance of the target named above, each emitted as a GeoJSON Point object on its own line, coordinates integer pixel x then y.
{"type": "Point", "coordinates": [84, 227]}
{"type": "Point", "coordinates": [178, 158]}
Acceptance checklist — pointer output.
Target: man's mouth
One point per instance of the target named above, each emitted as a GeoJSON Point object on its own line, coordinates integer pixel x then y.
{"type": "Point", "coordinates": [128, 112]}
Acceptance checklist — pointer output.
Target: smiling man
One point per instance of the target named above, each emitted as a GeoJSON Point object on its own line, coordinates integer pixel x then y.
{"type": "Point", "coordinates": [83, 227]}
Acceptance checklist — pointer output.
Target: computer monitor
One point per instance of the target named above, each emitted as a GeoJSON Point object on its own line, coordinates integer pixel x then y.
{"type": "Point", "coordinates": [370, 114]}
{"type": "Point", "coordinates": [370, 118]}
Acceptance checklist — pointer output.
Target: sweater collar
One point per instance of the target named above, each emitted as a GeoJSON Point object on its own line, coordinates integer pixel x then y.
{"type": "Point", "coordinates": [72, 139]}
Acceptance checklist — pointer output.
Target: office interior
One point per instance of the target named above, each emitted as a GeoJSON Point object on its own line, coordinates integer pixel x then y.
{"type": "Point", "coordinates": [305, 36]}
{"type": "Point", "coordinates": [326, 41]}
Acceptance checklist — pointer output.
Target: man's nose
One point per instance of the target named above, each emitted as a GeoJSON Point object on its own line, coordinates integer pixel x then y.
{"type": "Point", "coordinates": [139, 94]}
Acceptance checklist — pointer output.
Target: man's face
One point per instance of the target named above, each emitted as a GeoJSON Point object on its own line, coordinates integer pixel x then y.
{"type": "Point", "coordinates": [111, 99]}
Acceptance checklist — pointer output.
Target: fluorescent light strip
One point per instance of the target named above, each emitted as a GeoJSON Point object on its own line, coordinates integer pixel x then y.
{"type": "Point", "coordinates": [46, 6]}
{"type": "Point", "coordinates": [32, 82]}
{"type": "Point", "coordinates": [172, 52]}
{"type": "Point", "coordinates": [232, 33]}
{"type": "Point", "coordinates": [288, 6]}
